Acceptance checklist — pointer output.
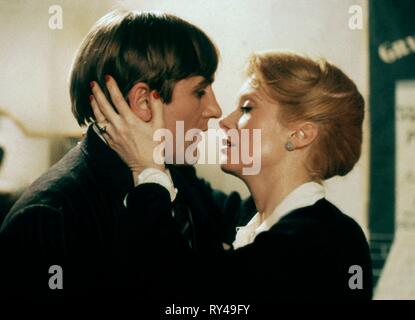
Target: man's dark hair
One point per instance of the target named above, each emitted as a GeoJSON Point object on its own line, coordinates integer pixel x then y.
{"type": "Point", "coordinates": [158, 49]}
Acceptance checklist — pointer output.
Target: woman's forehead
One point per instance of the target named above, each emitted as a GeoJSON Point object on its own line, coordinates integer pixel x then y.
{"type": "Point", "coordinates": [250, 91]}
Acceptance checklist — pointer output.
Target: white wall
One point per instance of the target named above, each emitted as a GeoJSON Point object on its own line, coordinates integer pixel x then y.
{"type": "Point", "coordinates": [35, 60]}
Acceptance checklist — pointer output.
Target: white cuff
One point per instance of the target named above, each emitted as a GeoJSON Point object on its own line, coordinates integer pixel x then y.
{"type": "Point", "coordinates": [152, 175]}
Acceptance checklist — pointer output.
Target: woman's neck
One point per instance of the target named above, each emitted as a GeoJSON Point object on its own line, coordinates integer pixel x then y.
{"type": "Point", "coordinates": [272, 185]}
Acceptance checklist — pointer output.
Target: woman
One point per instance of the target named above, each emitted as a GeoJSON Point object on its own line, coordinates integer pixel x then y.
{"type": "Point", "coordinates": [298, 245]}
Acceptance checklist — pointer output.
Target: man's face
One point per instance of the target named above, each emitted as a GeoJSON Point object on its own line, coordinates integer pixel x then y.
{"type": "Point", "coordinates": [194, 103]}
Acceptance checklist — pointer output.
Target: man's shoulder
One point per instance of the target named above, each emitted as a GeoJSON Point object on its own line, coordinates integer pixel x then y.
{"type": "Point", "coordinates": [59, 182]}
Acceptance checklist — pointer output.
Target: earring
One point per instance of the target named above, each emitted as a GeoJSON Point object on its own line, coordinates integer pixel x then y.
{"type": "Point", "coordinates": [289, 146]}
{"type": "Point", "coordinates": [301, 133]}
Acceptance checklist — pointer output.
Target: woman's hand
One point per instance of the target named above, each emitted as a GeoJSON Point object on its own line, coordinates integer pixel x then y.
{"type": "Point", "coordinates": [125, 132]}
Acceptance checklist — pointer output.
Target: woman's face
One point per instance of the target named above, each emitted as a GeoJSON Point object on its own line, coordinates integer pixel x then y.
{"type": "Point", "coordinates": [254, 111]}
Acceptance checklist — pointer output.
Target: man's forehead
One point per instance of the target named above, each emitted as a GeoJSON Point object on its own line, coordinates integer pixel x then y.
{"type": "Point", "coordinates": [193, 82]}
{"type": "Point", "coordinates": [199, 81]}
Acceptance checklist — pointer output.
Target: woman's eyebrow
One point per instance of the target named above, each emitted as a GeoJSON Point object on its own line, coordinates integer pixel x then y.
{"type": "Point", "coordinates": [248, 96]}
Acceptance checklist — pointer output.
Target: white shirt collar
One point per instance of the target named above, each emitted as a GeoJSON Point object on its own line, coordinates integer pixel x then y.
{"type": "Point", "coordinates": [303, 196]}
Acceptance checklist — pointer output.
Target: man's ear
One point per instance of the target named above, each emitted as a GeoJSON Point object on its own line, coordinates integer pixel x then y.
{"type": "Point", "coordinates": [138, 99]}
{"type": "Point", "coordinates": [304, 134]}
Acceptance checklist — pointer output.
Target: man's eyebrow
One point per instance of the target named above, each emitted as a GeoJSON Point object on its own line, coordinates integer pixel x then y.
{"type": "Point", "coordinates": [203, 83]}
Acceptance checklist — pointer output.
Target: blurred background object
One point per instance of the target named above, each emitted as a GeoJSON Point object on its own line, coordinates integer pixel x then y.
{"type": "Point", "coordinates": [392, 174]}
{"type": "Point", "coordinates": [21, 141]}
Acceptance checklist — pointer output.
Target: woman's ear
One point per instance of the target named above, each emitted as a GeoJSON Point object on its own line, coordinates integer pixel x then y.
{"type": "Point", "coordinates": [304, 135]}
{"type": "Point", "coordinates": [138, 99]}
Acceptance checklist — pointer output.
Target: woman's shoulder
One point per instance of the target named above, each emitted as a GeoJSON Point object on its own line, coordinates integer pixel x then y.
{"type": "Point", "coordinates": [322, 218]}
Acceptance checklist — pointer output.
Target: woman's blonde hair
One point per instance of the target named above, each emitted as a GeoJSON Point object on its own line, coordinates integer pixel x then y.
{"type": "Point", "coordinates": [319, 92]}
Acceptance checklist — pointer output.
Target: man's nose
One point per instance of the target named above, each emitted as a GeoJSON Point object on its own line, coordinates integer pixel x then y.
{"type": "Point", "coordinates": [212, 109]}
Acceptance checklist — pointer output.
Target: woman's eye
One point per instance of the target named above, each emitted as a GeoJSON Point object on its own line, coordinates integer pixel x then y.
{"type": "Point", "coordinates": [246, 109]}
{"type": "Point", "coordinates": [200, 93]}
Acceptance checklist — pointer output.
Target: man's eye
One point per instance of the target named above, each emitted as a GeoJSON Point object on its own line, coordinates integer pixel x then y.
{"type": "Point", "coordinates": [246, 109]}
{"type": "Point", "coordinates": [200, 93]}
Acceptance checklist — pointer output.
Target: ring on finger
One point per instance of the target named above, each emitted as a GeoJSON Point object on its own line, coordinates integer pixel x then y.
{"type": "Point", "coordinates": [101, 126]}
{"type": "Point", "coordinates": [102, 129]}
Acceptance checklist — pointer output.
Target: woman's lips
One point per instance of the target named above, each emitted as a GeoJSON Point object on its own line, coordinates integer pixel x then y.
{"type": "Point", "coordinates": [227, 143]}
{"type": "Point", "coordinates": [227, 146]}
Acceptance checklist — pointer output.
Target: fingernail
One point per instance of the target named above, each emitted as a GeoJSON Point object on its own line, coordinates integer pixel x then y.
{"type": "Point", "coordinates": [107, 78]}
{"type": "Point", "coordinates": [156, 95]}
{"type": "Point", "coordinates": [92, 84]}
{"type": "Point", "coordinates": [91, 97]}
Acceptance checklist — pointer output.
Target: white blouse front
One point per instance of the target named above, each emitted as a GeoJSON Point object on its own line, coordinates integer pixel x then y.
{"type": "Point", "coordinates": [305, 195]}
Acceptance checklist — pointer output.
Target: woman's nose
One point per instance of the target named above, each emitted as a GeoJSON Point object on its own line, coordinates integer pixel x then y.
{"type": "Point", "coordinates": [222, 124]}
{"type": "Point", "coordinates": [227, 122]}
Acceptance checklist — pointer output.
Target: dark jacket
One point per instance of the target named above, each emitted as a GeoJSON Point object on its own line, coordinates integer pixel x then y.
{"type": "Point", "coordinates": [73, 216]}
{"type": "Point", "coordinates": [311, 253]}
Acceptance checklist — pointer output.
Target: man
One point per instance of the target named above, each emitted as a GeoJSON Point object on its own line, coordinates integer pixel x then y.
{"type": "Point", "coordinates": [70, 233]}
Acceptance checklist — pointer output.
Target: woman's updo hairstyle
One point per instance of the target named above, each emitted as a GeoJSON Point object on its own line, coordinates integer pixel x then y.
{"type": "Point", "coordinates": [319, 92]}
